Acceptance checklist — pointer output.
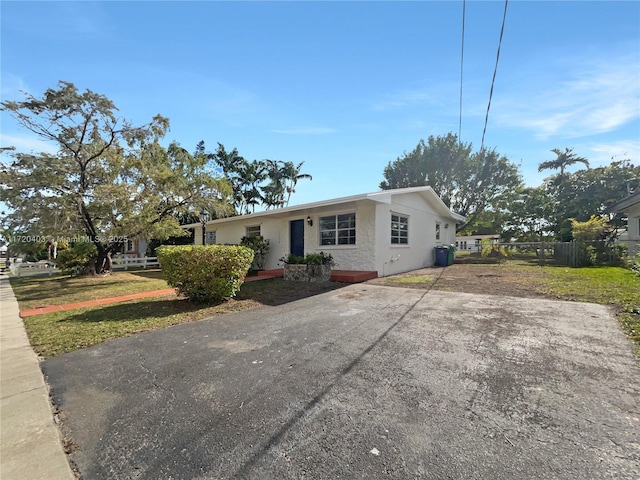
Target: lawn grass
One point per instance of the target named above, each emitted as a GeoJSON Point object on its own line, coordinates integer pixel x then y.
{"type": "Point", "coordinates": [605, 285]}
{"type": "Point", "coordinates": [614, 286]}
{"type": "Point", "coordinates": [413, 279]}
{"type": "Point", "coordinates": [34, 292]}
{"type": "Point", "coordinates": [60, 332]}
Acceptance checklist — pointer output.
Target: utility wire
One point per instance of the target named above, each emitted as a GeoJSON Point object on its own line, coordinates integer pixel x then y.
{"type": "Point", "coordinates": [495, 70]}
{"type": "Point", "coordinates": [464, 7]}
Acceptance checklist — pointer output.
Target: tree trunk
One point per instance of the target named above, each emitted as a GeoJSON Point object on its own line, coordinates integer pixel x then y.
{"type": "Point", "coordinates": [103, 263]}
{"type": "Point", "coordinates": [108, 263]}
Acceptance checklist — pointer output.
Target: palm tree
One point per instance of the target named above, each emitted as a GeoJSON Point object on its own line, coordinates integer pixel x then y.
{"type": "Point", "coordinates": [252, 174]}
{"type": "Point", "coordinates": [292, 175]}
{"type": "Point", "coordinates": [562, 160]}
{"type": "Point", "coordinates": [232, 164]}
{"type": "Point", "coordinates": [274, 191]}
{"type": "Point", "coordinates": [283, 178]}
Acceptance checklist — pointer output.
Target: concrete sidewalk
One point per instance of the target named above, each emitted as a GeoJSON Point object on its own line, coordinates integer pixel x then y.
{"type": "Point", "coordinates": [30, 441]}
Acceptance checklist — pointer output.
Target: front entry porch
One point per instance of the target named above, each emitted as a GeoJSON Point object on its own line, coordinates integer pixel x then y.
{"type": "Point", "coordinates": [344, 276]}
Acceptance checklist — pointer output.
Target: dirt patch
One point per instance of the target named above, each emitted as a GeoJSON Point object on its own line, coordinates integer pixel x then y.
{"type": "Point", "coordinates": [483, 279]}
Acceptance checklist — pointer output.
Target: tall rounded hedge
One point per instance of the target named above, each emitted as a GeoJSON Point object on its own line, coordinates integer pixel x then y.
{"type": "Point", "coordinates": [205, 273]}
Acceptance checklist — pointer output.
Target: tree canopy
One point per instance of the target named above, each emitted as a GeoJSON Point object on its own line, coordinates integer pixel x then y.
{"type": "Point", "coordinates": [469, 183]}
{"type": "Point", "coordinates": [529, 215]}
{"type": "Point", "coordinates": [109, 180]}
{"type": "Point", "coordinates": [269, 183]}
{"type": "Point", "coordinates": [588, 192]}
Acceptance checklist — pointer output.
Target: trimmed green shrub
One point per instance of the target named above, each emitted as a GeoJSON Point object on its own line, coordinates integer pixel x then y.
{"type": "Point", "coordinates": [309, 259]}
{"type": "Point", "coordinates": [260, 248]}
{"type": "Point", "coordinates": [292, 259]}
{"type": "Point", "coordinates": [74, 260]}
{"type": "Point", "coordinates": [205, 273]}
{"type": "Point", "coordinates": [319, 259]}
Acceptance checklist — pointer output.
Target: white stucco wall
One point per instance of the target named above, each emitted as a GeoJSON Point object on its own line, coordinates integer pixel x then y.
{"type": "Point", "coordinates": [633, 225]}
{"type": "Point", "coordinates": [373, 249]}
{"type": "Point", "coordinates": [419, 252]}
{"type": "Point", "coordinates": [633, 229]}
{"type": "Point", "coordinates": [347, 257]}
{"type": "Point", "coordinates": [276, 230]}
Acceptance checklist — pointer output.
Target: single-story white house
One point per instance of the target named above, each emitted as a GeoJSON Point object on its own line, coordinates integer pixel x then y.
{"type": "Point", "coordinates": [390, 231]}
{"type": "Point", "coordinates": [630, 206]}
{"type": "Point", "coordinates": [473, 243]}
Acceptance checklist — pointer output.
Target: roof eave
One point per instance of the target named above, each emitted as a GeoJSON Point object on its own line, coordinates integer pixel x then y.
{"type": "Point", "coordinates": [383, 196]}
{"type": "Point", "coordinates": [622, 205]}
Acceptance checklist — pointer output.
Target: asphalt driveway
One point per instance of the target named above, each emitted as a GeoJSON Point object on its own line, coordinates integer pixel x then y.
{"type": "Point", "coordinates": [361, 382]}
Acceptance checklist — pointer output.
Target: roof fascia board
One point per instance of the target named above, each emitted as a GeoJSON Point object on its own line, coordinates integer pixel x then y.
{"type": "Point", "coordinates": [384, 196]}
{"type": "Point", "coordinates": [625, 203]}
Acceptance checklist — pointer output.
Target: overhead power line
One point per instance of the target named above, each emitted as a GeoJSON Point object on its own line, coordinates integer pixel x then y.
{"type": "Point", "coordinates": [464, 7]}
{"type": "Point", "coordinates": [495, 70]}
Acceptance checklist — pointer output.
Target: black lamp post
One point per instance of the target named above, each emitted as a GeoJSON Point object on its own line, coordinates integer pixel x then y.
{"type": "Point", "coordinates": [204, 218]}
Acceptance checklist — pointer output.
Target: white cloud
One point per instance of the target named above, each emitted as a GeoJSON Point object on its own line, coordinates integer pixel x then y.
{"type": "Point", "coordinates": [591, 97]}
{"type": "Point", "coordinates": [305, 131]}
{"type": "Point", "coordinates": [12, 86]}
{"type": "Point", "coordinates": [27, 144]}
{"type": "Point", "coordinates": [605, 153]}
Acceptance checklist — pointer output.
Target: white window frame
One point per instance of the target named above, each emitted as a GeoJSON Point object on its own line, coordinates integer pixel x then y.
{"type": "Point", "coordinates": [210, 238]}
{"type": "Point", "coordinates": [339, 238]}
{"type": "Point", "coordinates": [252, 231]}
{"type": "Point", "coordinates": [396, 233]}
{"type": "Point", "coordinates": [438, 233]}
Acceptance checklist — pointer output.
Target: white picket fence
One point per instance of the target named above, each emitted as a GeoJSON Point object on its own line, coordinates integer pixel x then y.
{"type": "Point", "coordinates": [44, 267]}
{"type": "Point", "coordinates": [124, 262]}
{"type": "Point", "coordinates": [24, 269]}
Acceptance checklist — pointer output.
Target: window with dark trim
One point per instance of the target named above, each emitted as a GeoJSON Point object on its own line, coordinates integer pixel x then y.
{"type": "Point", "coordinates": [399, 229]}
{"type": "Point", "coordinates": [338, 229]}
{"type": "Point", "coordinates": [253, 231]}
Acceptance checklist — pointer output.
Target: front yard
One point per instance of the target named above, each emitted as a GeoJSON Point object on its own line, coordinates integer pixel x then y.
{"type": "Point", "coordinates": [60, 332]}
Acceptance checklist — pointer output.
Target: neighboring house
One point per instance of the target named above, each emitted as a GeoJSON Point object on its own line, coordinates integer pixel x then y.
{"type": "Point", "coordinates": [134, 248]}
{"type": "Point", "coordinates": [631, 207]}
{"type": "Point", "coordinates": [472, 243]}
{"type": "Point", "coordinates": [389, 232]}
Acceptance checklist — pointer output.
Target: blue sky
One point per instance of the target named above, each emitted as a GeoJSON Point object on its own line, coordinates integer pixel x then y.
{"type": "Point", "coordinates": [345, 87]}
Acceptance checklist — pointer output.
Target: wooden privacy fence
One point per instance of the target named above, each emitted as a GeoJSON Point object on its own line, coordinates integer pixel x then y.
{"type": "Point", "coordinates": [582, 254]}
{"type": "Point", "coordinates": [572, 254]}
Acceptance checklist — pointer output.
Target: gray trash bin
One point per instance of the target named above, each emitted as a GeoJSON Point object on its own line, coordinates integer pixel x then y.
{"type": "Point", "coordinates": [442, 256]}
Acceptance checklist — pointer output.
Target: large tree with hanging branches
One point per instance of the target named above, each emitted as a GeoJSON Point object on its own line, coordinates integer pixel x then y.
{"type": "Point", "coordinates": [108, 180]}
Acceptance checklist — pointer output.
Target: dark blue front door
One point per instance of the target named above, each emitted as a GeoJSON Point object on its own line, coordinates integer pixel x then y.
{"type": "Point", "coordinates": [296, 231]}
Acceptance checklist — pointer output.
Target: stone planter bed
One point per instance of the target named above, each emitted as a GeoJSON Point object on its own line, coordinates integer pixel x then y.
{"type": "Point", "coordinates": [307, 273]}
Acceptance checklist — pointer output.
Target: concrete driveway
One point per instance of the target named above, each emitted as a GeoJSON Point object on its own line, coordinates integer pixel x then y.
{"type": "Point", "coordinates": [361, 382]}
